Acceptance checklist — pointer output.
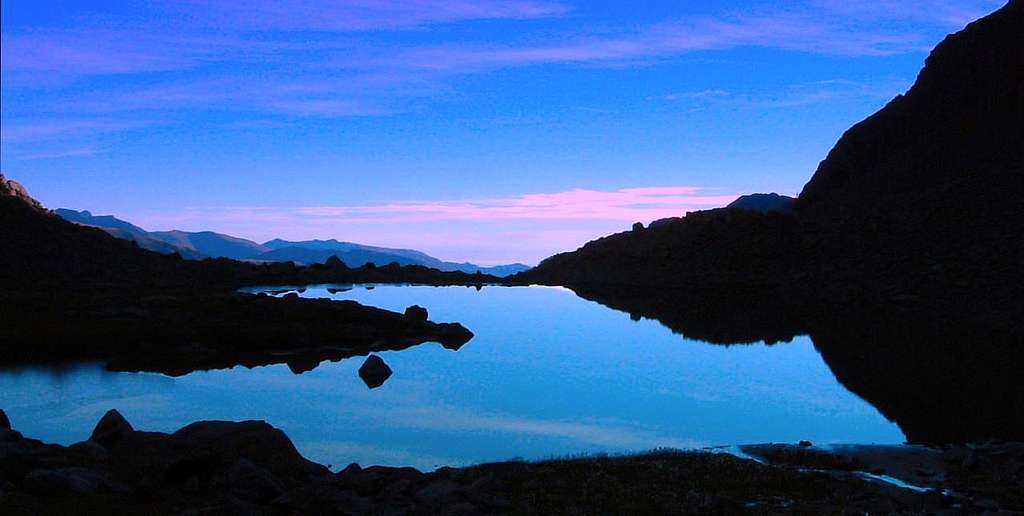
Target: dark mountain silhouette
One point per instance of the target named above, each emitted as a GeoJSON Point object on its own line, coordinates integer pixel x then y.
{"type": "Point", "coordinates": [764, 203]}
{"type": "Point", "coordinates": [86, 218]}
{"type": "Point", "coordinates": [127, 231]}
{"type": "Point", "coordinates": [355, 255]}
{"type": "Point", "coordinates": [352, 258]}
{"type": "Point", "coordinates": [914, 211]}
{"type": "Point", "coordinates": [215, 245]}
{"type": "Point", "coordinates": [199, 245]}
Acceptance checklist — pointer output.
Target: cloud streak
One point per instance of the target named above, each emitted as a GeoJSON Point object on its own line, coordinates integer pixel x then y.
{"type": "Point", "coordinates": [364, 15]}
{"type": "Point", "coordinates": [625, 205]}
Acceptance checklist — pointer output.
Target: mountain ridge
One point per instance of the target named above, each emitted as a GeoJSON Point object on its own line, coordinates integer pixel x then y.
{"type": "Point", "coordinates": [209, 244]}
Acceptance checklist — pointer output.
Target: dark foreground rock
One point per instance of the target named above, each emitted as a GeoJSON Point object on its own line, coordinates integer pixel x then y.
{"type": "Point", "coordinates": [250, 467]}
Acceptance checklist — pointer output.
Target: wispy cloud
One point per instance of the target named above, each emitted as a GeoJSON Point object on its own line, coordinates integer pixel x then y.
{"type": "Point", "coordinates": [30, 131]}
{"type": "Point", "coordinates": [73, 152]}
{"type": "Point", "coordinates": [803, 31]}
{"type": "Point", "coordinates": [357, 58]}
{"type": "Point", "coordinates": [364, 15]}
{"type": "Point", "coordinates": [794, 95]}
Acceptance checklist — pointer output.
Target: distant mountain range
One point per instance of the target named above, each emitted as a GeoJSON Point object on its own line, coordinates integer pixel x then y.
{"type": "Point", "coordinates": [207, 244]}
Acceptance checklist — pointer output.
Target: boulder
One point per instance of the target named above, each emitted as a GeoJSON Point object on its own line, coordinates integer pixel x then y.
{"type": "Point", "coordinates": [252, 483]}
{"type": "Point", "coordinates": [256, 441]}
{"type": "Point", "coordinates": [4, 422]}
{"type": "Point", "coordinates": [111, 429]}
{"type": "Point", "coordinates": [70, 481]}
{"type": "Point", "coordinates": [374, 371]}
{"type": "Point", "coordinates": [416, 313]}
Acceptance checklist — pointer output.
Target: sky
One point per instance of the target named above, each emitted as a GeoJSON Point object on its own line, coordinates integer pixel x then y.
{"type": "Point", "coordinates": [492, 131]}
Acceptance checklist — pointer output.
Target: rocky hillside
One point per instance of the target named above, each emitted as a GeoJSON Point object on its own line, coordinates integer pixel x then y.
{"type": "Point", "coordinates": [914, 209]}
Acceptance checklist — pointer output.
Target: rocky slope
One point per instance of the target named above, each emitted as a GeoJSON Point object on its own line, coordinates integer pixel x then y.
{"type": "Point", "coordinates": [915, 208]}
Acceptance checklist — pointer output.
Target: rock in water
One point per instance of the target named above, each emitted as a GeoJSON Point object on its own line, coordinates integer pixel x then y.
{"type": "Point", "coordinates": [4, 422]}
{"type": "Point", "coordinates": [111, 429]}
{"type": "Point", "coordinates": [454, 335]}
{"type": "Point", "coordinates": [374, 372]}
{"type": "Point", "coordinates": [416, 312]}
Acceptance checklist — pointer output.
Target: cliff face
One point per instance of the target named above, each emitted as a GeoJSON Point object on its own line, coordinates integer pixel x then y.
{"type": "Point", "coordinates": [954, 136]}
{"type": "Point", "coordinates": [915, 207]}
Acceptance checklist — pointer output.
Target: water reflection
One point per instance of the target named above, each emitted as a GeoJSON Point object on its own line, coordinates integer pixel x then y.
{"type": "Point", "coordinates": [547, 374]}
{"type": "Point", "coordinates": [940, 385]}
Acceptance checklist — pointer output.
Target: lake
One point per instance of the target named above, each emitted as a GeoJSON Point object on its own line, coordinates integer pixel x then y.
{"type": "Point", "coordinates": [548, 374]}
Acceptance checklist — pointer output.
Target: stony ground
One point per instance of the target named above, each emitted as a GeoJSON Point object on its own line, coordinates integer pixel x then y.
{"type": "Point", "coordinates": [253, 468]}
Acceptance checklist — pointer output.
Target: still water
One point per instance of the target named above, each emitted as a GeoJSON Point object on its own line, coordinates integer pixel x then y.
{"type": "Point", "coordinates": [548, 374]}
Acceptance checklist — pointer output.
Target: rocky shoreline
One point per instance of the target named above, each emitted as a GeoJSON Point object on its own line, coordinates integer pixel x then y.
{"type": "Point", "coordinates": [216, 467]}
{"type": "Point", "coordinates": [75, 293]}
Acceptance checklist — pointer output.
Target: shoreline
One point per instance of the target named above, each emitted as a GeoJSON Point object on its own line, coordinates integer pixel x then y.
{"type": "Point", "coordinates": [252, 467]}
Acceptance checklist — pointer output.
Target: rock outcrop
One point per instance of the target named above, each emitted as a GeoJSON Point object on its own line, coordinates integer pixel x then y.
{"type": "Point", "coordinates": [914, 211]}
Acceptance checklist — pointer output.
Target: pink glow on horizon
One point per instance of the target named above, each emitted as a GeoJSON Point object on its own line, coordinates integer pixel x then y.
{"type": "Point", "coordinates": [524, 228]}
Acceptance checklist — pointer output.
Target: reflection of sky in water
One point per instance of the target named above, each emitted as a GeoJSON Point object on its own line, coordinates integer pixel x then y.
{"type": "Point", "coordinates": [547, 374]}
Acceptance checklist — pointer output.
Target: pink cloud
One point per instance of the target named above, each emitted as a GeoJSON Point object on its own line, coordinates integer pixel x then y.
{"type": "Point", "coordinates": [488, 230]}
{"type": "Point", "coordinates": [625, 205]}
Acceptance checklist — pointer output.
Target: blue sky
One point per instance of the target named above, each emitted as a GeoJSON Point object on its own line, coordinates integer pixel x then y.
{"type": "Point", "coordinates": [489, 130]}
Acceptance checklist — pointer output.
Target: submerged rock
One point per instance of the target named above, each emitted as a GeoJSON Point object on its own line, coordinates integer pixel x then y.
{"type": "Point", "coordinates": [374, 372]}
{"type": "Point", "coordinates": [111, 429]}
{"type": "Point", "coordinates": [4, 422]}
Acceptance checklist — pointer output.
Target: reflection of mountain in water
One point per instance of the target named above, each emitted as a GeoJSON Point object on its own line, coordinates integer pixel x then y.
{"type": "Point", "coordinates": [940, 385]}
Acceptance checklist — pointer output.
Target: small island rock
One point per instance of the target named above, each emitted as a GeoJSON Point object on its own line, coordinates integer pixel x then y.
{"type": "Point", "coordinates": [374, 372]}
